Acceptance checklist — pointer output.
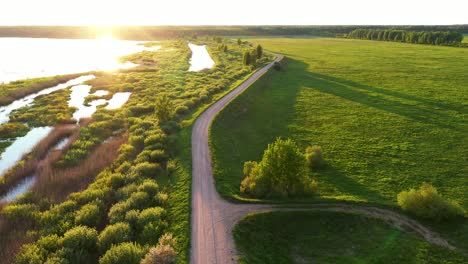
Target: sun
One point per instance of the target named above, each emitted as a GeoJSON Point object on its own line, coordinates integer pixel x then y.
{"type": "Point", "coordinates": [106, 37]}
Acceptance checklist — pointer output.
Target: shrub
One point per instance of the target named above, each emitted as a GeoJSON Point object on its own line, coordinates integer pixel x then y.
{"type": "Point", "coordinates": [277, 66]}
{"type": "Point", "coordinates": [21, 212]}
{"type": "Point", "coordinates": [181, 110]}
{"type": "Point", "coordinates": [117, 212]}
{"type": "Point", "coordinates": [49, 243]}
{"type": "Point", "coordinates": [162, 198]}
{"type": "Point", "coordinates": [88, 215]}
{"type": "Point", "coordinates": [112, 235]}
{"type": "Point", "coordinates": [139, 200]}
{"type": "Point", "coordinates": [154, 214]}
{"type": "Point", "coordinates": [281, 172]}
{"type": "Point", "coordinates": [147, 169]}
{"type": "Point", "coordinates": [30, 254]}
{"type": "Point", "coordinates": [428, 203]}
{"type": "Point", "coordinates": [163, 253]}
{"type": "Point", "coordinates": [149, 186]}
{"type": "Point", "coordinates": [80, 237]}
{"type": "Point", "coordinates": [314, 157]}
{"type": "Point", "coordinates": [125, 253]}
{"type": "Point", "coordinates": [159, 155]}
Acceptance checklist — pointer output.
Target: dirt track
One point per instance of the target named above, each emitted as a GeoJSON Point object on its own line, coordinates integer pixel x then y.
{"type": "Point", "coordinates": [213, 218]}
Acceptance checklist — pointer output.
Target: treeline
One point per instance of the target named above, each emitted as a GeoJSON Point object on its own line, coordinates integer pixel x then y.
{"type": "Point", "coordinates": [419, 37]}
{"type": "Point", "coordinates": [165, 32]}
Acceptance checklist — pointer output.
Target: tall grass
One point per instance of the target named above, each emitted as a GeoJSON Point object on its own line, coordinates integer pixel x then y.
{"type": "Point", "coordinates": [56, 183]}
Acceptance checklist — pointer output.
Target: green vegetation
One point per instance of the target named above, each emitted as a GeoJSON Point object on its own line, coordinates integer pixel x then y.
{"type": "Point", "coordinates": [46, 110]}
{"type": "Point", "coordinates": [282, 172]}
{"type": "Point", "coordinates": [331, 237]}
{"type": "Point", "coordinates": [384, 125]}
{"type": "Point", "coordinates": [419, 37]}
{"type": "Point", "coordinates": [18, 89]}
{"type": "Point", "coordinates": [144, 192]}
{"type": "Point", "coordinates": [427, 203]}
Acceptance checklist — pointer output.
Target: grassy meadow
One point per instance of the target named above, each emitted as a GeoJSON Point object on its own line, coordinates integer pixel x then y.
{"type": "Point", "coordinates": [389, 116]}
{"type": "Point", "coordinates": [330, 237]}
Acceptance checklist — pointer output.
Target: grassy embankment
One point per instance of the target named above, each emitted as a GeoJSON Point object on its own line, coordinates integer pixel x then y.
{"type": "Point", "coordinates": [147, 186]}
{"type": "Point", "coordinates": [388, 116]}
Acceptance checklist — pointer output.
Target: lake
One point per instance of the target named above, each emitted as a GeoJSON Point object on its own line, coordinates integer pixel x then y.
{"type": "Point", "coordinates": [24, 58]}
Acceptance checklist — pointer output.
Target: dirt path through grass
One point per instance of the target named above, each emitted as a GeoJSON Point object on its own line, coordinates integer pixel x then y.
{"type": "Point", "coordinates": [213, 218]}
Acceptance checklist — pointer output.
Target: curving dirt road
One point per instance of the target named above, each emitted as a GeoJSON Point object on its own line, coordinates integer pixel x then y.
{"type": "Point", "coordinates": [214, 218]}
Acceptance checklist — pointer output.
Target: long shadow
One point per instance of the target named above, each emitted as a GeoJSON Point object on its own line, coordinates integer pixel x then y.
{"type": "Point", "coordinates": [353, 92]}
{"type": "Point", "coordinates": [458, 108]}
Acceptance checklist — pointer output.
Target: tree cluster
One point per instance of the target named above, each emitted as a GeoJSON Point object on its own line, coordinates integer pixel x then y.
{"type": "Point", "coordinates": [282, 172]}
{"type": "Point", "coordinates": [250, 56]}
{"type": "Point", "coordinates": [418, 37]}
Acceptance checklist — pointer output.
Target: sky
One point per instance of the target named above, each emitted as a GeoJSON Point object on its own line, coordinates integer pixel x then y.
{"type": "Point", "coordinates": [233, 12]}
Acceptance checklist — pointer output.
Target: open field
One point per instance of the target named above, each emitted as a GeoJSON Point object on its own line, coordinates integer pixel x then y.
{"type": "Point", "coordinates": [325, 237]}
{"type": "Point", "coordinates": [388, 116]}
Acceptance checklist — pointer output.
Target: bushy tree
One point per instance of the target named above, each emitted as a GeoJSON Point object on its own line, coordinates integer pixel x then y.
{"type": "Point", "coordinates": [113, 235]}
{"type": "Point", "coordinates": [314, 157]}
{"type": "Point", "coordinates": [259, 51]}
{"type": "Point", "coordinates": [125, 253]}
{"type": "Point", "coordinates": [164, 108]}
{"type": "Point", "coordinates": [239, 42]}
{"type": "Point", "coordinates": [253, 57]}
{"type": "Point", "coordinates": [88, 215]}
{"type": "Point", "coordinates": [246, 58]}
{"type": "Point", "coordinates": [281, 172]}
{"type": "Point", "coordinates": [426, 202]}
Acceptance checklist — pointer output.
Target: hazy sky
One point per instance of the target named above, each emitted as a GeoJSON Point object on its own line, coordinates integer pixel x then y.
{"type": "Point", "coordinates": [232, 12]}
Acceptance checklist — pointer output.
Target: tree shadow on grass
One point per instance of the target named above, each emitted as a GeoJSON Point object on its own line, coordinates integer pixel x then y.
{"type": "Point", "coordinates": [359, 93]}
{"type": "Point", "coordinates": [349, 186]}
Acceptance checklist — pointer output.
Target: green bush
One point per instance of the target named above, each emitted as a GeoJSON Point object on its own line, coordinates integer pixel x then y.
{"type": "Point", "coordinates": [147, 169]}
{"type": "Point", "coordinates": [88, 215]}
{"type": "Point", "coordinates": [149, 186]}
{"type": "Point", "coordinates": [149, 215]}
{"type": "Point", "coordinates": [125, 253]}
{"type": "Point", "coordinates": [139, 200]}
{"type": "Point", "coordinates": [281, 172]}
{"type": "Point", "coordinates": [80, 237]}
{"type": "Point", "coordinates": [79, 244]}
{"type": "Point", "coordinates": [150, 233]}
{"type": "Point", "coordinates": [314, 157]}
{"type": "Point", "coordinates": [117, 212]}
{"type": "Point", "coordinates": [30, 254]}
{"type": "Point", "coordinates": [159, 155]}
{"type": "Point", "coordinates": [21, 212]}
{"type": "Point", "coordinates": [113, 235]}
{"type": "Point", "coordinates": [428, 203]}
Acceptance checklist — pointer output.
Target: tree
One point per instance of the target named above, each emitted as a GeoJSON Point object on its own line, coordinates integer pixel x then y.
{"type": "Point", "coordinates": [253, 57]}
{"type": "Point", "coordinates": [239, 42]}
{"type": "Point", "coordinates": [164, 109]}
{"type": "Point", "coordinates": [259, 51]}
{"type": "Point", "coordinates": [246, 58]}
{"type": "Point", "coordinates": [282, 172]}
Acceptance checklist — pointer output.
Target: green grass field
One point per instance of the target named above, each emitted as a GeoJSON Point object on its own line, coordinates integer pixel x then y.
{"type": "Point", "coordinates": [465, 39]}
{"type": "Point", "coordinates": [325, 237]}
{"type": "Point", "coordinates": [389, 116]}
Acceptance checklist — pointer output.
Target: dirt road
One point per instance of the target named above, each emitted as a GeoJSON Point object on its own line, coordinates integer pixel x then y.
{"type": "Point", "coordinates": [214, 218]}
